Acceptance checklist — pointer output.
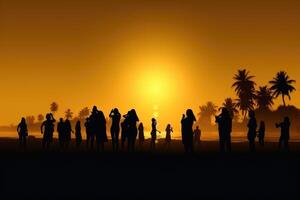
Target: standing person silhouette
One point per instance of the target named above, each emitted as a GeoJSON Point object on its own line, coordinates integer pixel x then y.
{"type": "Point", "coordinates": [98, 122]}
{"type": "Point", "coordinates": [225, 127]}
{"type": "Point", "coordinates": [115, 128]}
{"type": "Point", "coordinates": [141, 134]}
{"type": "Point", "coordinates": [68, 133]}
{"type": "Point", "coordinates": [47, 130]}
{"type": "Point", "coordinates": [252, 126]}
{"type": "Point", "coordinates": [153, 134]}
{"type": "Point", "coordinates": [169, 131]}
{"type": "Point", "coordinates": [61, 132]}
{"type": "Point", "coordinates": [197, 136]}
{"type": "Point", "coordinates": [284, 133]}
{"type": "Point", "coordinates": [78, 135]}
{"type": "Point", "coordinates": [89, 133]}
{"type": "Point", "coordinates": [132, 129]}
{"type": "Point", "coordinates": [187, 122]}
{"type": "Point", "coordinates": [261, 133]}
{"type": "Point", "coordinates": [124, 132]}
{"type": "Point", "coordinates": [23, 133]}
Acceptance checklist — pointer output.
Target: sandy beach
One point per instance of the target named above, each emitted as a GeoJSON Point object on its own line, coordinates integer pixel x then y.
{"type": "Point", "coordinates": [164, 174]}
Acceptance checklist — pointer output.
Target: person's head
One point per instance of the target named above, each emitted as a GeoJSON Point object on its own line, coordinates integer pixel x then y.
{"type": "Point", "coordinates": [169, 126]}
{"type": "Point", "coordinates": [225, 112]}
{"type": "Point", "coordinates": [95, 109]}
{"type": "Point", "coordinates": [61, 119]}
{"type": "Point", "coordinates": [153, 119]}
{"type": "Point", "coordinates": [78, 123]}
{"type": "Point", "coordinates": [116, 110]}
{"type": "Point", "coordinates": [48, 116]}
{"type": "Point", "coordinates": [197, 127]}
{"type": "Point", "coordinates": [23, 121]}
{"type": "Point", "coordinates": [190, 114]}
{"type": "Point", "coordinates": [141, 124]}
{"type": "Point", "coordinates": [251, 114]}
{"type": "Point", "coordinates": [262, 123]}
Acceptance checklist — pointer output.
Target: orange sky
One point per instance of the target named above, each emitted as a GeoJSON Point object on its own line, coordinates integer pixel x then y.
{"type": "Point", "coordinates": [157, 56]}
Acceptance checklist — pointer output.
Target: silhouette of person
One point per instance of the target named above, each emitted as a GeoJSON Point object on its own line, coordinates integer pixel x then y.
{"type": "Point", "coordinates": [225, 127]}
{"type": "Point", "coordinates": [169, 131]}
{"type": "Point", "coordinates": [252, 125]}
{"type": "Point", "coordinates": [61, 132]}
{"type": "Point", "coordinates": [197, 135]}
{"type": "Point", "coordinates": [78, 135]}
{"type": "Point", "coordinates": [141, 134]}
{"type": "Point", "coordinates": [98, 122]}
{"type": "Point", "coordinates": [22, 132]}
{"type": "Point", "coordinates": [284, 134]}
{"type": "Point", "coordinates": [115, 128]}
{"type": "Point", "coordinates": [261, 133]}
{"type": "Point", "coordinates": [89, 133]}
{"type": "Point", "coordinates": [153, 134]}
{"type": "Point", "coordinates": [68, 131]}
{"type": "Point", "coordinates": [124, 131]}
{"type": "Point", "coordinates": [47, 130]}
{"type": "Point", "coordinates": [187, 122]}
{"type": "Point", "coordinates": [132, 118]}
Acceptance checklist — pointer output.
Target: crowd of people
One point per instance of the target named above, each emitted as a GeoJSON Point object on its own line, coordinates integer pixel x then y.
{"type": "Point", "coordinates": [131, 130]}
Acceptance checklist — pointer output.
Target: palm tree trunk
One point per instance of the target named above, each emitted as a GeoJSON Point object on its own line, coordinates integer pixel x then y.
{"type": "Point", "coordinates": [283, 100]}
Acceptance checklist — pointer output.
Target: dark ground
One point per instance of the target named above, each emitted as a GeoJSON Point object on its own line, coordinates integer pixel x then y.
{"type": "Point", "coordinates": [35, 174]}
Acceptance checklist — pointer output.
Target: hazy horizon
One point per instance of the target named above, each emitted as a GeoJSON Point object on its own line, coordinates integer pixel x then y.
{"type": "Point", "coordinates": [159, 57]}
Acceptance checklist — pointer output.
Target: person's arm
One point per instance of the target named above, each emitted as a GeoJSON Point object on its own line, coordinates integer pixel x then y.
{"type": "Point", "coordinates": [42, 127]}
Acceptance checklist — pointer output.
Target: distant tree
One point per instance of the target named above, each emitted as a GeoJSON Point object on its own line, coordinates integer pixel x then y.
{"type": "Point", "coordinates": [30, 120]}
{"type": "Point", "coordinates": [207, 111]}
{"type": "Point", "coordinates": [282, 85]}
{"type": "Point", "coordinates": [244, 87]}
{"type": "Point", "coordinates": [264, 98]}
{"type": "Point", "coordinates": [54, 107]}
{"type": "Point", "coordinates": [40, 118]}
{"type": "Point", "coordinates": [230, 105]}
{"type": "Point", "coordinates": [84, 113]}
{"type": "Point", "coordinates": [68, 114]}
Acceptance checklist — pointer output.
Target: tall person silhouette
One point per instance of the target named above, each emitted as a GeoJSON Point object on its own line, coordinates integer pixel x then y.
{"type": "Point", "coordinates": [68, 133]}
{"type": "Point", "coordinates": [252, 126]}
{"type": "Point", "coordinates": [187, 123]}
{"type": "Point", "coordinates": [225, 127]}
{"type": "Point", "coordinates": [47, 130]}
{"type": "Point", "coordinates": [124, 131]}
{"type": "Point", "coordinates": [23, 133]}
{"type": "Point", "coordinates": [89, 133]}
{"type": "Point", "coordinates": [61, 132]}
{"type": "Point", "coordinates": [78, 135]}
{"type": "Point", "coordinates": [141, 134]}
{"type": "Point", "coordinates": [98, 123]}
{"type": "Point", "coordinates": [115, 128]}
{"type": "Point", "coordinates": [284, 133]}
{"type": "Point", "coordinates": [153, 133]}
{"type": "Point", "coordinates": [169, 131]}
{"type": "Point", "coordinates": [261, 133]}
{"type": "Point", "coordinates": [132, 129]}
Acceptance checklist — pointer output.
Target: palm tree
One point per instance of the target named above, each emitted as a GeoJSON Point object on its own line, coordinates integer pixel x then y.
{"type": "Point", "coordinates": [69, 114]}
{"type": "Point", "coordinates": [207, 111]}
{"type": "Point", "coordinates": [282, 85]}
{"type": "Point", "coordinates": [84, 113]}
{"type": "Point", "coordinates": [245, 90]}
{"type": "Point", "coordinates": [264, 98]}
{"type": "Point", "coordinates": [230, 105]}
{"type": "Point", "coordinates": [54, 107]}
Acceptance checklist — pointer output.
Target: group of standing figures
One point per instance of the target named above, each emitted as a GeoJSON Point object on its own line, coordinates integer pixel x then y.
{"type": "Point", "coordinates": [95, 126]}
